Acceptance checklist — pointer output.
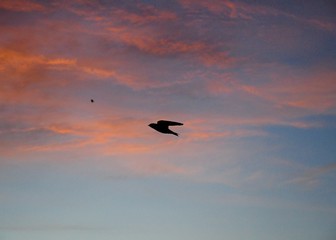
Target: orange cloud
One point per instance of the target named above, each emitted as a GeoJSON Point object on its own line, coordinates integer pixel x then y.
{"type": "Point", "coordinates": [21, 71]}
{"type": "Point", "coordinates": [21, 5]}
{"type": "Point", "coordinates": [150, 41]}
{"type": "Point", "coordinates": [154, 42]}
{"type": "Point", "coordinates": [62, 61]}
{"type": "Point", "coordinates": [125, 138]}
{"type": "Point", "coordinates": [220, 59]}
{"type": "Point", "coordinates": [147, 14]}
{"type": "Point", "coordinates": [166, 46]}
{"type": "Point", "coordinates": [215, 6]}
{"type": "Point", "coordinates": [248, 11]}
{"type": "Point", "coordinates": [143, 29]}
{"type": "Point", "coordinates": [98, 72]}
{"type": "Point", "coordinates": [31, 68]}
{"type": "Point", "coordinates": [315, 92]}
{"type": "Point", "coordinates": [97, 12]}
{"type": "Point", "coordinates": [19, 62]}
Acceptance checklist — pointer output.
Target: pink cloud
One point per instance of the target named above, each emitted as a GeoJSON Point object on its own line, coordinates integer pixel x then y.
{"type": "Point", "coordinates": [21, 5]}
{"type": "Point", "coordinates": [219, 7]}
{"type": "Point", "coordinates": [110, 138]}
{"type": "Point", "coordinates": [106, 137]}
{"type": "Point", "coordinates": [142, 30]}
{"type": "Point", "coordinates": [30, 68]}
{"type": "Point", "coordinates": [147, 14]}
{"type": "Point", "coordinates": [152, 41]}
{"type": "Point", "coordinates": [314, 92]}
{"type": "Point", "coordinates": [212, 56]}
{"type": "Point", "coordinates": [97, 12]}
{"type": "Point", "coordinates": [232, 9]}
{"type": "Point", "coordinates": [146, 31]}
{"type": "Point", "coordinates": [328, 26]}
{"type": "Point", "coordinates": [236, 9]}
{"type": "Point", "coordinates": [156, 43]}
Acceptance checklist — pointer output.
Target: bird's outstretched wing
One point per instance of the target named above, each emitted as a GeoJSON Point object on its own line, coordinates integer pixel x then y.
{"type": "Point", "coordinates": [169, 123]}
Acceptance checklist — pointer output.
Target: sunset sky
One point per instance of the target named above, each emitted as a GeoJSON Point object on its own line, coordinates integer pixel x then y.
{"type": "Point", "coordinates": [254, 83]}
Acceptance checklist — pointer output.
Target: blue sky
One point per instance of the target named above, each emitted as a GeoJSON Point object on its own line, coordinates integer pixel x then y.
{"type": "Point", "coordinates": [252, 81]}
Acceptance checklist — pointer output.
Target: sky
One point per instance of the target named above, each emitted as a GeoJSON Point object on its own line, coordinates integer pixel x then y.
{"type": "Point", "coordinates": [254, 83]}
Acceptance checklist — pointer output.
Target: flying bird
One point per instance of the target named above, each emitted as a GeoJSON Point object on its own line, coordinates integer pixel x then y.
{"type": "Point", "coordinates": [92, 101]}
{"type": "Point", "coordinates": [162, 126]}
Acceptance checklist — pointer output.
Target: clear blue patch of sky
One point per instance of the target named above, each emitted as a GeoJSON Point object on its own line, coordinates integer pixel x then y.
{"type": "Point", "coordinates": [309, 146]}
{"type": "Point", "coordinates": [322, 120]}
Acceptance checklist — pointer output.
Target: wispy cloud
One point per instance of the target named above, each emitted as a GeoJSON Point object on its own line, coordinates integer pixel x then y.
{"type": "Point", "coordinates": [315, 91]}
{"type": "Point", "coordinates": [145, 14]}
{"type": "Point", "coordinates": [247, 11]}
{"type": "Point", "coordinates": [312, 177]}
{"type": "Point", "coordinates": [21, 5]}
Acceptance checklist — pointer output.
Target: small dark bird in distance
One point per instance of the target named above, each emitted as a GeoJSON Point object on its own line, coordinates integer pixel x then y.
{"type": "Point", "coordinates": [92, 101]}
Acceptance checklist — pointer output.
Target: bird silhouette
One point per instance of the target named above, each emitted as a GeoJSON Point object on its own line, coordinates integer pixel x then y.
{"type": "Point", "coordinates": [162, 126]}
{"type": "Point", "coordinates": [92, 100]}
